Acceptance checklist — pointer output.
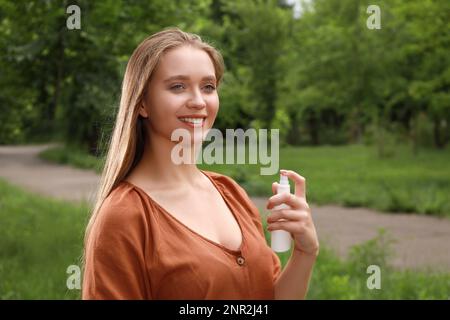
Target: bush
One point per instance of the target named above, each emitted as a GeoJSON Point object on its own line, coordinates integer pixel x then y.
{"type": "Point", "coordinates": [376, 251]}
{"type": "Point", "coordinates": [72, 155]}
{"type": "Point", "coordinates": [334, 278]}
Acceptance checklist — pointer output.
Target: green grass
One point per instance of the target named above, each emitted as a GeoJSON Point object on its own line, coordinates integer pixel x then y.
{"type": "Point", "coordinates": [350, 176]}
{"type": "Point", "coordinates": [40, 238]}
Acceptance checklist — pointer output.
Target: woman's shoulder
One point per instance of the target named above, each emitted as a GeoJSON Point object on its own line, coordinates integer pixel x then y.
{"type": "Point", "coordinates": [121, 219]}
{"type": "Point", "coordinates": [124, 204]}
{"type": "Point", "coordinates": [124, 194]}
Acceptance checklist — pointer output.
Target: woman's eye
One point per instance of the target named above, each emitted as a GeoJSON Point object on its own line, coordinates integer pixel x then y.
{"type": "Point", "coordinates": [177, 87]}
{"type": "Point", "coordinates": [210, 87]}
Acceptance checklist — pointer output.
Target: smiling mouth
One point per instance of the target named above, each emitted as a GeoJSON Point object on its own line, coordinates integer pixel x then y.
{"type": "Point", "coordinates": [196, 122]}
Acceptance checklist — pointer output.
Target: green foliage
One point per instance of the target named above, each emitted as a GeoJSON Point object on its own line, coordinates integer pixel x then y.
{"type": "Point", "coordinates": [324, 78]}
{"type": "Point", "coordinates": [250, 182]}
{"type": "Point", "coordinates": [236, 100]}
{"type": "Point", "coordinates": [74, 156]}
{"type": "Point", "coordinates": [376, 251]}
{"type": "Point", "coordinates": [270, 39]}
{"type": "Point", "coordinates": [67, 82]}
{"type": "Point", "coordinates": [334, 278]}
{"type": "Point", "coordinates": [344, 72]}
{"type": "Point", "coordinates": [282, 122]}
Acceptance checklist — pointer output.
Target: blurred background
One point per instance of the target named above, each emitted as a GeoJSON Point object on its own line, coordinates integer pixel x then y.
{"type": "Point", "coordinates": [363, 113]}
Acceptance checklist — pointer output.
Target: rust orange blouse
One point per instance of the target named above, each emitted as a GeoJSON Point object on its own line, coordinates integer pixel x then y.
{"type": "Point", "coordinates": [138, 250]}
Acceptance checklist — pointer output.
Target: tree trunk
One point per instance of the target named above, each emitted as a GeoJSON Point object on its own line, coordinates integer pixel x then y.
{"type": "Point", "coordinates": [58, 76]}
{"type": "Point", "coordinates": [439, 140]}
{"type": "Point", "coordinates": [313, 129]}
{"type": "Point", "coordinates": [413, 134]}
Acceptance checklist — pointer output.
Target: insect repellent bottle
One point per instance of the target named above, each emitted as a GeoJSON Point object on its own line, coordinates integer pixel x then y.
{"type": "Point", "coordinates": [281, 239]}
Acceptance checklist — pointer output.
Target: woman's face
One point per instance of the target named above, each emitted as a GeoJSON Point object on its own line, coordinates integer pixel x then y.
{"type": "Point", "coordinates": [182, 94]}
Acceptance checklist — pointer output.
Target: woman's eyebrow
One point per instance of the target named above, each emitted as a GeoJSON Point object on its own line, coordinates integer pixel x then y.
{"type": "Point", "coordinates": [183, 77]}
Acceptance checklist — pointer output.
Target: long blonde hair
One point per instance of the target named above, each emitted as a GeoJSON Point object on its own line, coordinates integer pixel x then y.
{"type": "Point", "coordinates": [129, 135]}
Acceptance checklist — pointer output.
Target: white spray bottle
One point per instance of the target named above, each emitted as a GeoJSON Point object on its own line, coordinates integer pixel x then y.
{"type": "Point", "coordinates": [281, 240]}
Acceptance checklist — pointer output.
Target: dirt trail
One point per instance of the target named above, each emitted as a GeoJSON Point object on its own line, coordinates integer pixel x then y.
{"type": "Point", "coordinates": [21, 165]}
{"type": "Point", "coordinates": [421, 242]}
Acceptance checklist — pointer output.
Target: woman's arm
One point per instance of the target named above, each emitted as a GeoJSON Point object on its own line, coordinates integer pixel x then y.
{"type": "Point", "coordinates": [293, 282]}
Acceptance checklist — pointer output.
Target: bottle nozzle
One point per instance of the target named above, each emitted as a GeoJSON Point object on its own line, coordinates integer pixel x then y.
{"type": "Point", "coordinates": [284, 180]}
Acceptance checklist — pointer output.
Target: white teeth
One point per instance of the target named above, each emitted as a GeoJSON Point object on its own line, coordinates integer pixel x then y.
{"type": "Point", "coordinates": [192, 120]}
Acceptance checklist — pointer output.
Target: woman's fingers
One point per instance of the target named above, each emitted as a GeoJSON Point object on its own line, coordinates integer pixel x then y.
{"type": "Point", "coordinates": [286, 214]}
{"type": "Point", "coordinates": [287, 198]}
{"type": "Point", "coordinates": [300, 182]}
{"type": "Point", "coordinates": [274, 187]}
{"type": "Point", "coordinates": [294, 227]}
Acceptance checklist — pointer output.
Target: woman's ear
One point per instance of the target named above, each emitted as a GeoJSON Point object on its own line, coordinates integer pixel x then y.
{"type": "Point", "coordinates": [143, 111]}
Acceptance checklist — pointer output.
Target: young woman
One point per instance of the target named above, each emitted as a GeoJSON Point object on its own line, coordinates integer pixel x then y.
{"type": "Point", "coordinates": [161, 230]}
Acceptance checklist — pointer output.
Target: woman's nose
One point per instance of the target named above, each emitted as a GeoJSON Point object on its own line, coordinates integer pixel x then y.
{"type": "Point", "coordinates": [197, 101]}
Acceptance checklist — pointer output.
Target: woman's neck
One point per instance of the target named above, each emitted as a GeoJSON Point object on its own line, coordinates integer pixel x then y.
{"type": "Point", "coordinates": [157, 167]}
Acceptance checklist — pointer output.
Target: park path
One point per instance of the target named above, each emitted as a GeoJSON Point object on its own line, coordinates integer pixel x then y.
{"type": "Point", "coordinates": [420, 242]}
